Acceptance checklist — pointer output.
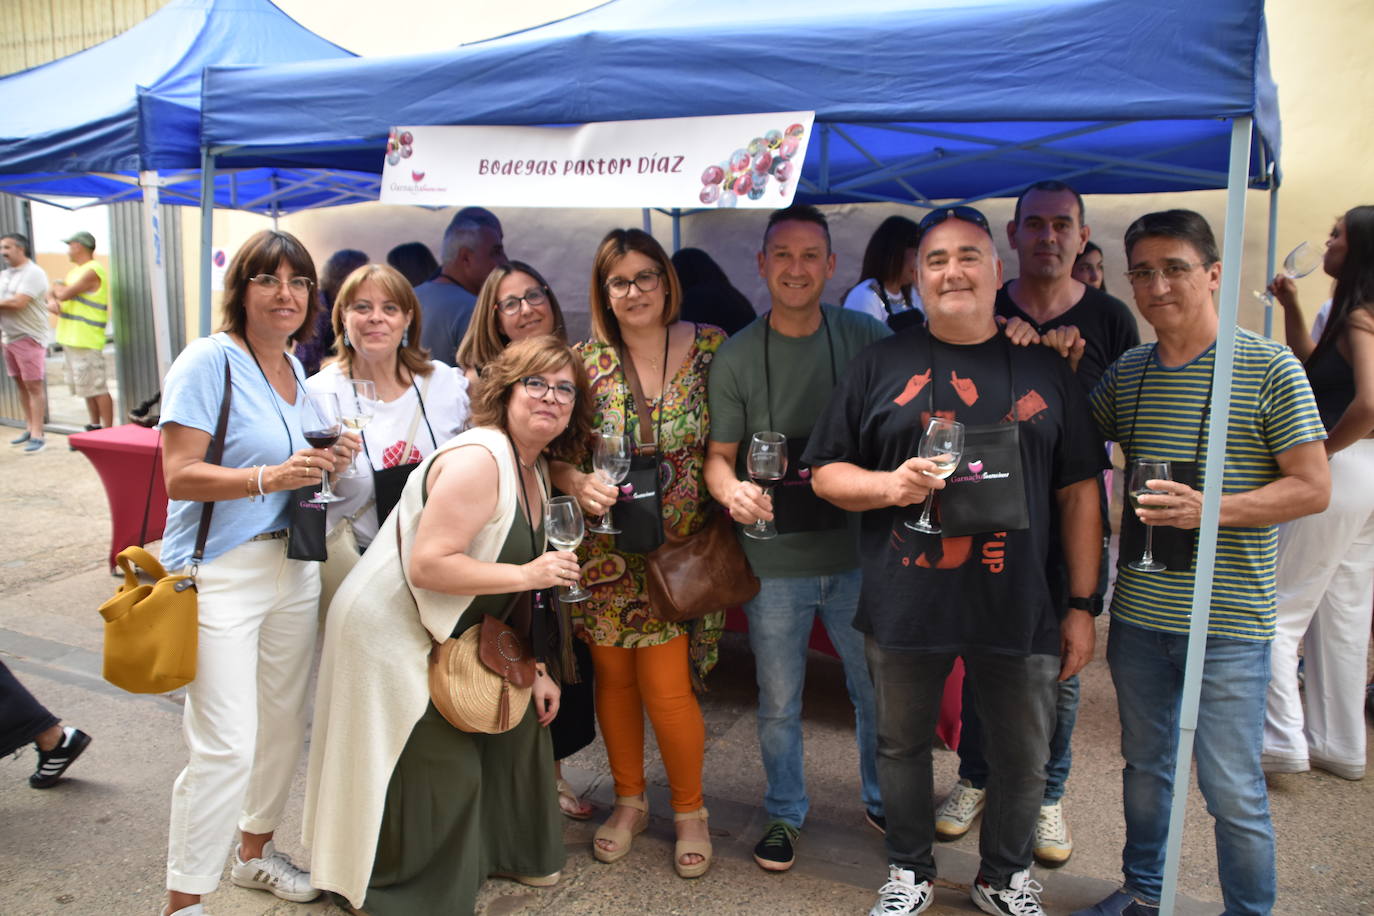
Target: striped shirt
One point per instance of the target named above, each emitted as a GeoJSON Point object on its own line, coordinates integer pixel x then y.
{"type": "Point", "coordinates": [1272, 410]}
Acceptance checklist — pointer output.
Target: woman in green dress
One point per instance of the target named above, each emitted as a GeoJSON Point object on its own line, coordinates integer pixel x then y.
{"type": "Point", "coordinates": [406, 813]}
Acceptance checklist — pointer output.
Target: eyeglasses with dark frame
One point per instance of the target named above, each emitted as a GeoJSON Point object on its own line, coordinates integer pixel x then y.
{"type": "Point", "coordinates": [646, 281]}
{"type": "Point", "coordinates": [271, 282]}
{"type": "Point", "coordinates": [536, 386]}
{"type": "Point", "coordinates": [1144, 277]}
{"type": "Point", "coordinates": [533, 297]}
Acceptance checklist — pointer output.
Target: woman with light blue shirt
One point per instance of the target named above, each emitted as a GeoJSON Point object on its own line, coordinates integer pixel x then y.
{"type": "Point", "coordinates": [245, 715]}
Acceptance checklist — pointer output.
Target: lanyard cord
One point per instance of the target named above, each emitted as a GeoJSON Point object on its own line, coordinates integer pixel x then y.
{"type": "Point", "coordinates": [300, 386]}
{"type": "Point", "coordinates": [362, 434]}
{"type": "Point", "coordinates": [767, 370]}
{"type": "Point", "coordinates": [1135, 408]}
{"type": "Point", "coordinates": [627, 369]}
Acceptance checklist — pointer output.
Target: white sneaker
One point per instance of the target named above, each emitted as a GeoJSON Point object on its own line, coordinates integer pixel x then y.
{"type": "Point", "coordinates": [955, 815]}
{"type": "Point", "coordinates": [274, 872]}
{"type": "Point", "coordinates": [194, 909]}
{"type": "Point", "coordinates": [1021, 897]}
{"type": "Point", "coordinates": [1053, 842]}
{"type": "Point", "coordinates": [902, 895]}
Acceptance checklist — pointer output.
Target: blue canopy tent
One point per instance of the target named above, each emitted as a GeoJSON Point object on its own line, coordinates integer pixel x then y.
{"type": "Point", "coordinates": [92, 124]}
{"type": "Point", "coordinates": [120, 121]}
{"type": "Point", "coordinates": [915, 101]}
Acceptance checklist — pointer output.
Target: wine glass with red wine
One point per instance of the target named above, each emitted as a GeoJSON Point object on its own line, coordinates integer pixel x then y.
{"type": "Point", "coordinates": [321, 425]}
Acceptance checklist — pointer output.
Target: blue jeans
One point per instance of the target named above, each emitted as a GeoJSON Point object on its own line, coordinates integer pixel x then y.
{"type": "Point", "coordinates": [780, 621]}
{"type": "Point", "coordinates": [1147, 669]}
{"type": "Point", "coordinates": [973, 766]}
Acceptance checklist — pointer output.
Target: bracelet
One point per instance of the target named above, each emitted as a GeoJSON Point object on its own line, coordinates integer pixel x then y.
{"type": "Point", "coordinates": [248, 486]}
{"type": "Point", "coordinates": [261, 491]}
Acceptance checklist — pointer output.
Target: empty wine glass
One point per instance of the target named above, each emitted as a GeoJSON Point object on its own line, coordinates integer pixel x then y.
{"type": "Point", "coordinates": [1143, 470]}
{"type": "Point", "coordinates": [766, 464]}
{"type": "Point", "coordinates": [611, 464]}
{"type": "Point", "coordinates": [563, 527]}
{"type": "Point", "coordinates": [1300, 262]}
{"type": "Point", "coordinates": [942, 444]}
{"type": "Point", "coordinates": [357, 411]}
{"type": "Point", "coordinates": [320, 424]}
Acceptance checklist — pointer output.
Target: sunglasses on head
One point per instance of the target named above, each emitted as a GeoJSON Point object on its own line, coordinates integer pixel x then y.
{"type": "Point", "coordinates": [967, 214]}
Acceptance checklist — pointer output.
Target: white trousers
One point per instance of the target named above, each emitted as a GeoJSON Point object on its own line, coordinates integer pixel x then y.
{"type": "Point", "coordinates": [1325, 588]}
{"type": "Point", "coordinates": [245, 712]}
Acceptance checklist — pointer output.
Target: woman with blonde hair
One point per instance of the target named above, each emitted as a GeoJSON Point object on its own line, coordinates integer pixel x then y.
{"type": "Point", "coordinates": [406, 813]}
{"type": "Point", "coordinates": [641, 661]}
{"type": "Point", "coordinates": [514, 303]}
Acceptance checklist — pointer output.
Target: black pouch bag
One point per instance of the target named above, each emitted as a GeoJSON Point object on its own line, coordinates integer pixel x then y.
{"type": "Point", "coordinates": [639, 511]}
{"type": "Point", "coordinates": [1174, 547]}
{"type": "Point", "coordinates": [987, 492]}
{"type": "Point", "coordinates": [305, 526]}
{"type": "Point", "coordinates": [387, 485]}
{"type": "Point", "coordinates": [796, 507]}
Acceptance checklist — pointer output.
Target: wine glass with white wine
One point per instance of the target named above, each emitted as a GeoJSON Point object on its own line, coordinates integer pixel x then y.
{"type": "Point", "coordinates": [943, 446]}
{"type": "Point", "coordinates": [1144, 470]}
{"type": "Point", "coordinates": [563, 526]}
{"type": "Point", "coordinates": [611, 464]}
{"type": "Point", "coordinates": [356, 410]}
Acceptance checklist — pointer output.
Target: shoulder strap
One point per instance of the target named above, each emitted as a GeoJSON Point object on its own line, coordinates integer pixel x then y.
{"type": "Point", "coordinates": [214, 455]}
{"type": "Point", "coordinates": [637, 395]}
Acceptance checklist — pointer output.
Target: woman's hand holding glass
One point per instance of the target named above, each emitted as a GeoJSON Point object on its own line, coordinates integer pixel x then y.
{"type": "Point", "coordinates": [611, 464]}
{"type": "Point", "coordinates": [554, 567]}
{"type": "Point", "coordinates": [564, 527]}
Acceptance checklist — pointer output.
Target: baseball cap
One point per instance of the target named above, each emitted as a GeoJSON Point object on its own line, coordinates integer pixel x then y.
{"type": "Point", "coordinates": [85, 238]}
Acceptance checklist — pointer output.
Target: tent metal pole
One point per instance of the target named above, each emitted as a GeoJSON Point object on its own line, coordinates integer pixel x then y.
{"type": "Point", "coordinates": [207, 231]}
{"type": "Point", "coordinates": [677, 230]}
{"type": "Point", "coordinates": [1211, 498]}
{"type": "Point", "coordinates": [1271, 265]}
{"type": "Point", "coordinates": [648, 221]}
{"type": "Point", "coordinates": [157, 272]}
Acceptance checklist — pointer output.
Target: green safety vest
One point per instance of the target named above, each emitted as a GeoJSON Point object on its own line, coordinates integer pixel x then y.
{"type": "Point", "coordinates": [83, 319]}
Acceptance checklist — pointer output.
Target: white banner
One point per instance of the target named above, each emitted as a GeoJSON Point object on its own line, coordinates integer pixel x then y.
{"type": "Point", "coordinates": [750, 160]}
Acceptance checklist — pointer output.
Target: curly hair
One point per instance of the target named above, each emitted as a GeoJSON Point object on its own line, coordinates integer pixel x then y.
{"type": "Point", "coordinates": [535, 356]}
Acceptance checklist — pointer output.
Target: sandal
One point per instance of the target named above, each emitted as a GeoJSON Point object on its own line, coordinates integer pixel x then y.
{"type": "Point", "coordinates": [529, 880]}
{"type": "Point", "coordinates": [692, 847]}
{"type": "Point", "coordinates": [570, 804]}
{"type": "Point", "coordinates": [621, 837]}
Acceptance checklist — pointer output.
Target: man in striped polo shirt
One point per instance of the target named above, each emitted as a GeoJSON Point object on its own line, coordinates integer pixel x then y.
{"type": "Point", "coordinates": [1154, 402]}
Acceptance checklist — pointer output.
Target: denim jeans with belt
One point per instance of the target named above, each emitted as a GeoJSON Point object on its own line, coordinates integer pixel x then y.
{"type": "Point", "coordinates": [780, 621]}
{"type": "Point", "coordinates": [1147, 669]}
{"type": "Point", "coordinates": [1016, 691]}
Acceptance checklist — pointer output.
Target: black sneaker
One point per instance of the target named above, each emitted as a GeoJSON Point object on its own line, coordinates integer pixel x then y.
{"type": "Point", "coordinates": [52, 764]}
{"type": "Point", "coordinates": [1021, 896]}
{"type": "Point", "coordinates": [92, 427]}
{"type": "Point", "coordinates": [777, 850]}
{"type": "Point", "coordinates": [877, 821]}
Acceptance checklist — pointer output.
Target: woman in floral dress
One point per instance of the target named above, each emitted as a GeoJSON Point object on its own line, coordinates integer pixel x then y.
{"type": "Point", "coordinates": [642, 662]}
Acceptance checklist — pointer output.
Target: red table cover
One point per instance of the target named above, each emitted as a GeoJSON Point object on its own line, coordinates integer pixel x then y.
{"type": "Point", "coordinates": [128, 458]}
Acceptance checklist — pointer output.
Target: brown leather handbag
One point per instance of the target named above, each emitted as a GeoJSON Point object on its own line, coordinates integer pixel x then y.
{"type": "Point", "coordinates": [690, 577]}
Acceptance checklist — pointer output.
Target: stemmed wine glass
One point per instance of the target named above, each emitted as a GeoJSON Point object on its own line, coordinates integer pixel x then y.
{"type": "Point", "coordinates": [766, 463]}
{"type": "Point", "coordinates": [611, 464]}
{"type": "Point", "coordinates": [942, 444]}
{"type": "Point", "coordinates": [357, 413]}
{"type": "Point", "coordinates": [1300, 262]}
{"type": "Point", "coordinates": [563, 527]}
{"type": "Point", "coordinates": [321, 426]}
{"type": "Point", "coordinates": [1143, 471]}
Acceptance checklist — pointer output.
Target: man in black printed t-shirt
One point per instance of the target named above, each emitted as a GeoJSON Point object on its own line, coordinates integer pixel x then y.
{"type": "Point", "coordinates": [1048, 230]}
{"type": "Point", "coordinates": [979, 589]}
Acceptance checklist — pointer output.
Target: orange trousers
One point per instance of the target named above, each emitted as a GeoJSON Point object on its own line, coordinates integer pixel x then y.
{"type": "Point", "coordinates": [653, 678]}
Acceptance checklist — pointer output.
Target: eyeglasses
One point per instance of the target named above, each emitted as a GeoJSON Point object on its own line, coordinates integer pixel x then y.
{"type": "Point", "coordinates": [967, 214]}
{"type": "Point", "coordinates": [563, 393]}
{"type": "Point", "coordinates": [645, 280]}
{"type": "Point", "coordinates": [533, 298]}
{"type": "Point", "coordinates": [1144, 277]}
{"type": "Point", "coordinates": [271, 282]}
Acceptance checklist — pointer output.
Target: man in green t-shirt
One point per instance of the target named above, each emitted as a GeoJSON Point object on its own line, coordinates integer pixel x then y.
{"type": "Point", "coordinates": [776, 375]}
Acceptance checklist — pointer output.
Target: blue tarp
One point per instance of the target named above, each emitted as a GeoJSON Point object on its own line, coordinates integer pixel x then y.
{"type": "Point", "coordinates": [916, 99]}
{"type": "Point", "coordinates": [132, 103]}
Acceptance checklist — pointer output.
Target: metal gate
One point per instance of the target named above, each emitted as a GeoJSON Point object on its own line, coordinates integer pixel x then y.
{"type": "Point", "coordinates": [14, 217]}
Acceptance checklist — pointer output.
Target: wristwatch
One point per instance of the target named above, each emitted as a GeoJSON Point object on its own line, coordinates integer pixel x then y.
{"type": "Point", "coordinates": [1092, 604]}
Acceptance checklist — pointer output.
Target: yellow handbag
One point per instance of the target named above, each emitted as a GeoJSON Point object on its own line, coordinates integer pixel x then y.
{"type": "Point", "coordinates": [150, 630]}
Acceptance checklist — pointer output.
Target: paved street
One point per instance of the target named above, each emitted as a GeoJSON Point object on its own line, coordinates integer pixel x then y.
{"type": "Point", "coordinates": [95, 844]}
